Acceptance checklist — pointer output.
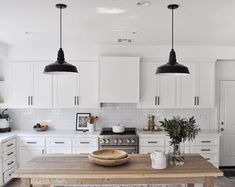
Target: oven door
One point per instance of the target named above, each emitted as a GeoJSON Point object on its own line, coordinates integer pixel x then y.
{"type": "Point", "coordinates": [128, 149]}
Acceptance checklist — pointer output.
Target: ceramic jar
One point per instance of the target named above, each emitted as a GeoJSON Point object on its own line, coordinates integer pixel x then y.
{"type": "Point", "coordinates": [91, 127]}
{"type": "Point", "coordinates": [159, 160]}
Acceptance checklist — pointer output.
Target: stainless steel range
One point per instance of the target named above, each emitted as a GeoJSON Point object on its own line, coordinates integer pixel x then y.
{"type": "Point", "coordinates": [126, 141]}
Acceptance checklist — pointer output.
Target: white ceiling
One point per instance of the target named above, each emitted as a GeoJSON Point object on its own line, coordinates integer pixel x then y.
{"type": "Point", "coordinates": [198, 22]}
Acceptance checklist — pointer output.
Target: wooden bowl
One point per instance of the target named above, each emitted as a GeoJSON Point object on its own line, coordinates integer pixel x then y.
{"type": "Point", "coordinates": [109, 163]}
{"type": "Point", "coordinates": [109, 154]}
{"type": "Point", "coordinates": [41, 129]}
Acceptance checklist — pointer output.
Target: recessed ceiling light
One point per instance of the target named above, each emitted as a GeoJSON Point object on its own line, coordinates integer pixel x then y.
{"type": "Point", "coordinates": [106, 10]}
{"type": "Point", "coordinates": [143, 3]}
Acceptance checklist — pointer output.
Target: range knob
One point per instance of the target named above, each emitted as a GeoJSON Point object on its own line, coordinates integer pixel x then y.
{"type": "Point", "coordinates": [115, 141]}
{"type": "Point", "coordinates": [120, 141]}
{"type": "Point", "coordinates": [107, 141]}
{"type": "Point", "coordinates": [133, 141]}
{"type": "Point", "coordinates": [101, 141]}
{"type": "Point", "coordinates": [128, 141]}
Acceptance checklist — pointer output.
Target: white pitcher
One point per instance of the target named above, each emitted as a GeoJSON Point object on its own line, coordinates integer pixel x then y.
{"type": "Point", "coordinates": [158, 160]}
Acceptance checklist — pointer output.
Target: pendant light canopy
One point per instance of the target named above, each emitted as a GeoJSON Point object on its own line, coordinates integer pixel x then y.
{"type": "Point", "coordinates": [60, 66]}
{"type": "Point", "coordinates": [172, 67]}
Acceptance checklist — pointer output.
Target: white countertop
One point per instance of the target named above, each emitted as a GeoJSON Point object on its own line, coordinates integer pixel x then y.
{"type": "Point", "coordinates": [203, 132]}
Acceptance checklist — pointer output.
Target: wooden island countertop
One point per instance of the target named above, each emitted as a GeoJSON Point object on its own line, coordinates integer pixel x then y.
{"type": "Point", "coordinates": [77, 169]}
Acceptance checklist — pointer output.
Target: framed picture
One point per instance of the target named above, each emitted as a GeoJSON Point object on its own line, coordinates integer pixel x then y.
{"type": "Point", "coordinates": [81, 122]}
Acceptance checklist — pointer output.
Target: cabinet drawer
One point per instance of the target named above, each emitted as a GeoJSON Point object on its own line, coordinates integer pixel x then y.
{"type": "Point", "coordinates": [59, 150]}
{"type": "Point", "coordinates": [31, 141]}
{"type": "Point", "coordinates": [206, 141]}
{"type": "Point", "coordinates": [9, 163]}
{"type": "Point", "coordinates": [58, 142]}
{"type": "Point", "coordinates": [84, 150]}
{"type": "Point", "coordinates": [8, 154]}
{"type": "Point", "coordinates": [7, 175]}
{"type": "Point", "coordinates": [9, 145]}
{"type": "Point", "coordinates": [212, 158]}
{"type": "Point", "coordinates": [151, 142]}
{"type": "Point", "coordinates": [85, 142]}
{"type": "Point", "coordinates": [204, 149]}
{"type": "Point", "coordinates": [148, 150]}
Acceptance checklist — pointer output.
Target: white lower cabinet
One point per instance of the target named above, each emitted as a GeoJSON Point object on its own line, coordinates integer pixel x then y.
{"type": "Point", "coordinates": [8, 160]}
{"type": "Point", "coordinates": [207, 147]}
{"type": "Point", "coordinates": [85, 145]}
{"type": "Point", "coordinates": [58, 146]}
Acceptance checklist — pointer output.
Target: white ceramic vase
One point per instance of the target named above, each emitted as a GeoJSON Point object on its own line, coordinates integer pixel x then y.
{"type": "Point", "coordinates": [91, 127]}
{"type": "Point", "coordinates": [159, 160]}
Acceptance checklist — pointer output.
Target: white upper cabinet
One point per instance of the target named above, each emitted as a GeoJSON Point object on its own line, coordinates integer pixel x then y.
{"type": "Point", "coordinates": [21, 85]}
{"type": "Point", "coordinates": [29, 87]}
{"type": "Point", "coordinates": [119, 80]}
{"type": "Point", "coordinates": [77, 90]}
{"type": "Point", "coordinates": [191, 91]}
{"type": "Point", "coordinates": [186, 87]}
{"type": "Point", "coordinates": [65, 90]}
{"type": "Point", "coordinates": [205, 85]}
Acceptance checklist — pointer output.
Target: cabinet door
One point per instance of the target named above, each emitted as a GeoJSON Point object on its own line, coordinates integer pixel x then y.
{"type": "Point", "coordinates": [21, 84]}
{"type": "Point", "coordinates": [42, 87]}
{"type": "Point", "coordinates": [148, 80]}
{"type": "Point", "coordinates": [206, 76]}
{"type": "Point", "coordinates": [166, 91]}
{"type": "Point", "coordinates": [186, 88]}
{"type": "Point", "coordinates": [65, 91]}
{"type": "Point", "coordinates": [27, 153]}
{"type": "Point", "coordinates": [59, 150]}
{"type": "Point", "coordinates": [88, 85]}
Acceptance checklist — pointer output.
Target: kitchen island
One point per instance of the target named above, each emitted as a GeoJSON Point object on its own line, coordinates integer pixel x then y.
{"type": "Point", "coordinates": [50, 170]}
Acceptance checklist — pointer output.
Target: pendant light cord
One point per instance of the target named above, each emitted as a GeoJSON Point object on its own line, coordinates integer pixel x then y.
{"type": "Point", "coordinates": [60, 27]}
{"type": "Point", "coordinates": [172, 29]}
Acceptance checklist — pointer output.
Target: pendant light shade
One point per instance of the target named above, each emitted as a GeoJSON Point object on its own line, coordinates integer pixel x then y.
{"type": "Point", "coordinates": [60, 66]}
{"type": "Point", "coordinates": [172, 67]}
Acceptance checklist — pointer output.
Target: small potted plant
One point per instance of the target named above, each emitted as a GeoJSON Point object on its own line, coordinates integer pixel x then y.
{"type": "Point", "coordinates": [4, 119]}
{"type": "Point", "coordinates": [179, 130]}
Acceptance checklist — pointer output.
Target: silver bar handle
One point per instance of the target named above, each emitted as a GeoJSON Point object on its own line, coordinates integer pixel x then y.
{"type": "Point", "coordinates": [59, 142]}
{"type": "Point", "coordinates": [158, 100]}
{"type": "Point", "coordinates": [31, 100]}
{"type": "Point", "coordinates": [205, 149]}
{"type": "Point", "coordinates": [195, 100]}
{"type": "Point", "coordinates": [84, 142]}
{"type": "Point", "coordinates": [77, 100]}
{"type": "Point", "coordinates": [198, 100]}
{"type": "Point", "coordinates": [28, 100]}
{"type": "Point", "coordinates": [152, 142]}
{"type": "Point", "coordinates": [155, 100]}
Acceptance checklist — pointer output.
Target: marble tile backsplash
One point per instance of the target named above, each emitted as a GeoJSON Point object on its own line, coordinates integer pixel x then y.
{"type": "Point", "coordinates": [109, 114]}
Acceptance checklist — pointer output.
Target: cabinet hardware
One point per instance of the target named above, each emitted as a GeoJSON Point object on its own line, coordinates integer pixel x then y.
{"type": "Point", "coordinates": [155, 100]}
{"type": "Point", "coordinates": [42, 151]}
{"type": "Point", "coordinates": [31, 142]}
{"type": "Point", "coordinates": [207, 141]}
{"type": "Point", "coordinates": [10, 153]}
{"type": "Point", "coordinates": [158, 100]}
{"type": "Point", "coordinates": [28, 100]}
{"type": "Point", "coordinates": [222, 123]}
{"type": "Point", "coordinates": [207, 158]}
{"type": "Point", "coordinates": [197, 100]}
{"type": "Point", "coordinates": [222, 129]}
{"type": "Point", "coordinates": [85, 142]}
{"type": "Point", "coordinates": [205, 149]}
{"type": "Point", "coordinates": [152, 142]}
{"type": "Point", "coordinates": [9, 145]}
{"type": "Point", "coordinates": [75, 103]}
{"type": "Point", "coordinates": [59, 142]}
{"type": "Point", "coordinates": [77, 100]}
{"type": "Point", "coordinates": [31, 100]}
{"type": "Point", "coordinates": [10, 163]}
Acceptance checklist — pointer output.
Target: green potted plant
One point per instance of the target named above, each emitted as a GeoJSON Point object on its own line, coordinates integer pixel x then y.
{"type": "Point", "coordinates": [179, 130]}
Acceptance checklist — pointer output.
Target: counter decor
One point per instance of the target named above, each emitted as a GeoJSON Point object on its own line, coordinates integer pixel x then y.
{"type": "Point", "coordinates": [91, 120]}
{"type": "Point", "coordinates": [179, 130]}
{"type": "Point", "coordinates": [158, 160]}
{"type": "Point", "coordinates": [4, 121]}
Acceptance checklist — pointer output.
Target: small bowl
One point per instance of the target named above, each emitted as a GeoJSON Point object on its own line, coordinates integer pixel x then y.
{"type": "Point", "coordinates": [41, 129]}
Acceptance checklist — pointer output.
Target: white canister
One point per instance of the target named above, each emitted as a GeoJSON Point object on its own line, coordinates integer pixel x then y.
{"type": "Point", "coordinates": [4, 123]}
{"type": "Point", "coordinates": [158, 160]}
{"type": "Point", "coordinates": [91, 127]}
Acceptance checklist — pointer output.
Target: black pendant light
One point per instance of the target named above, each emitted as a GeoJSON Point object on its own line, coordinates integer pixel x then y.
{"type": "Point", "coordinates": [172, 67]}
{"type": "Point", "coordinates": [60, 66]}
